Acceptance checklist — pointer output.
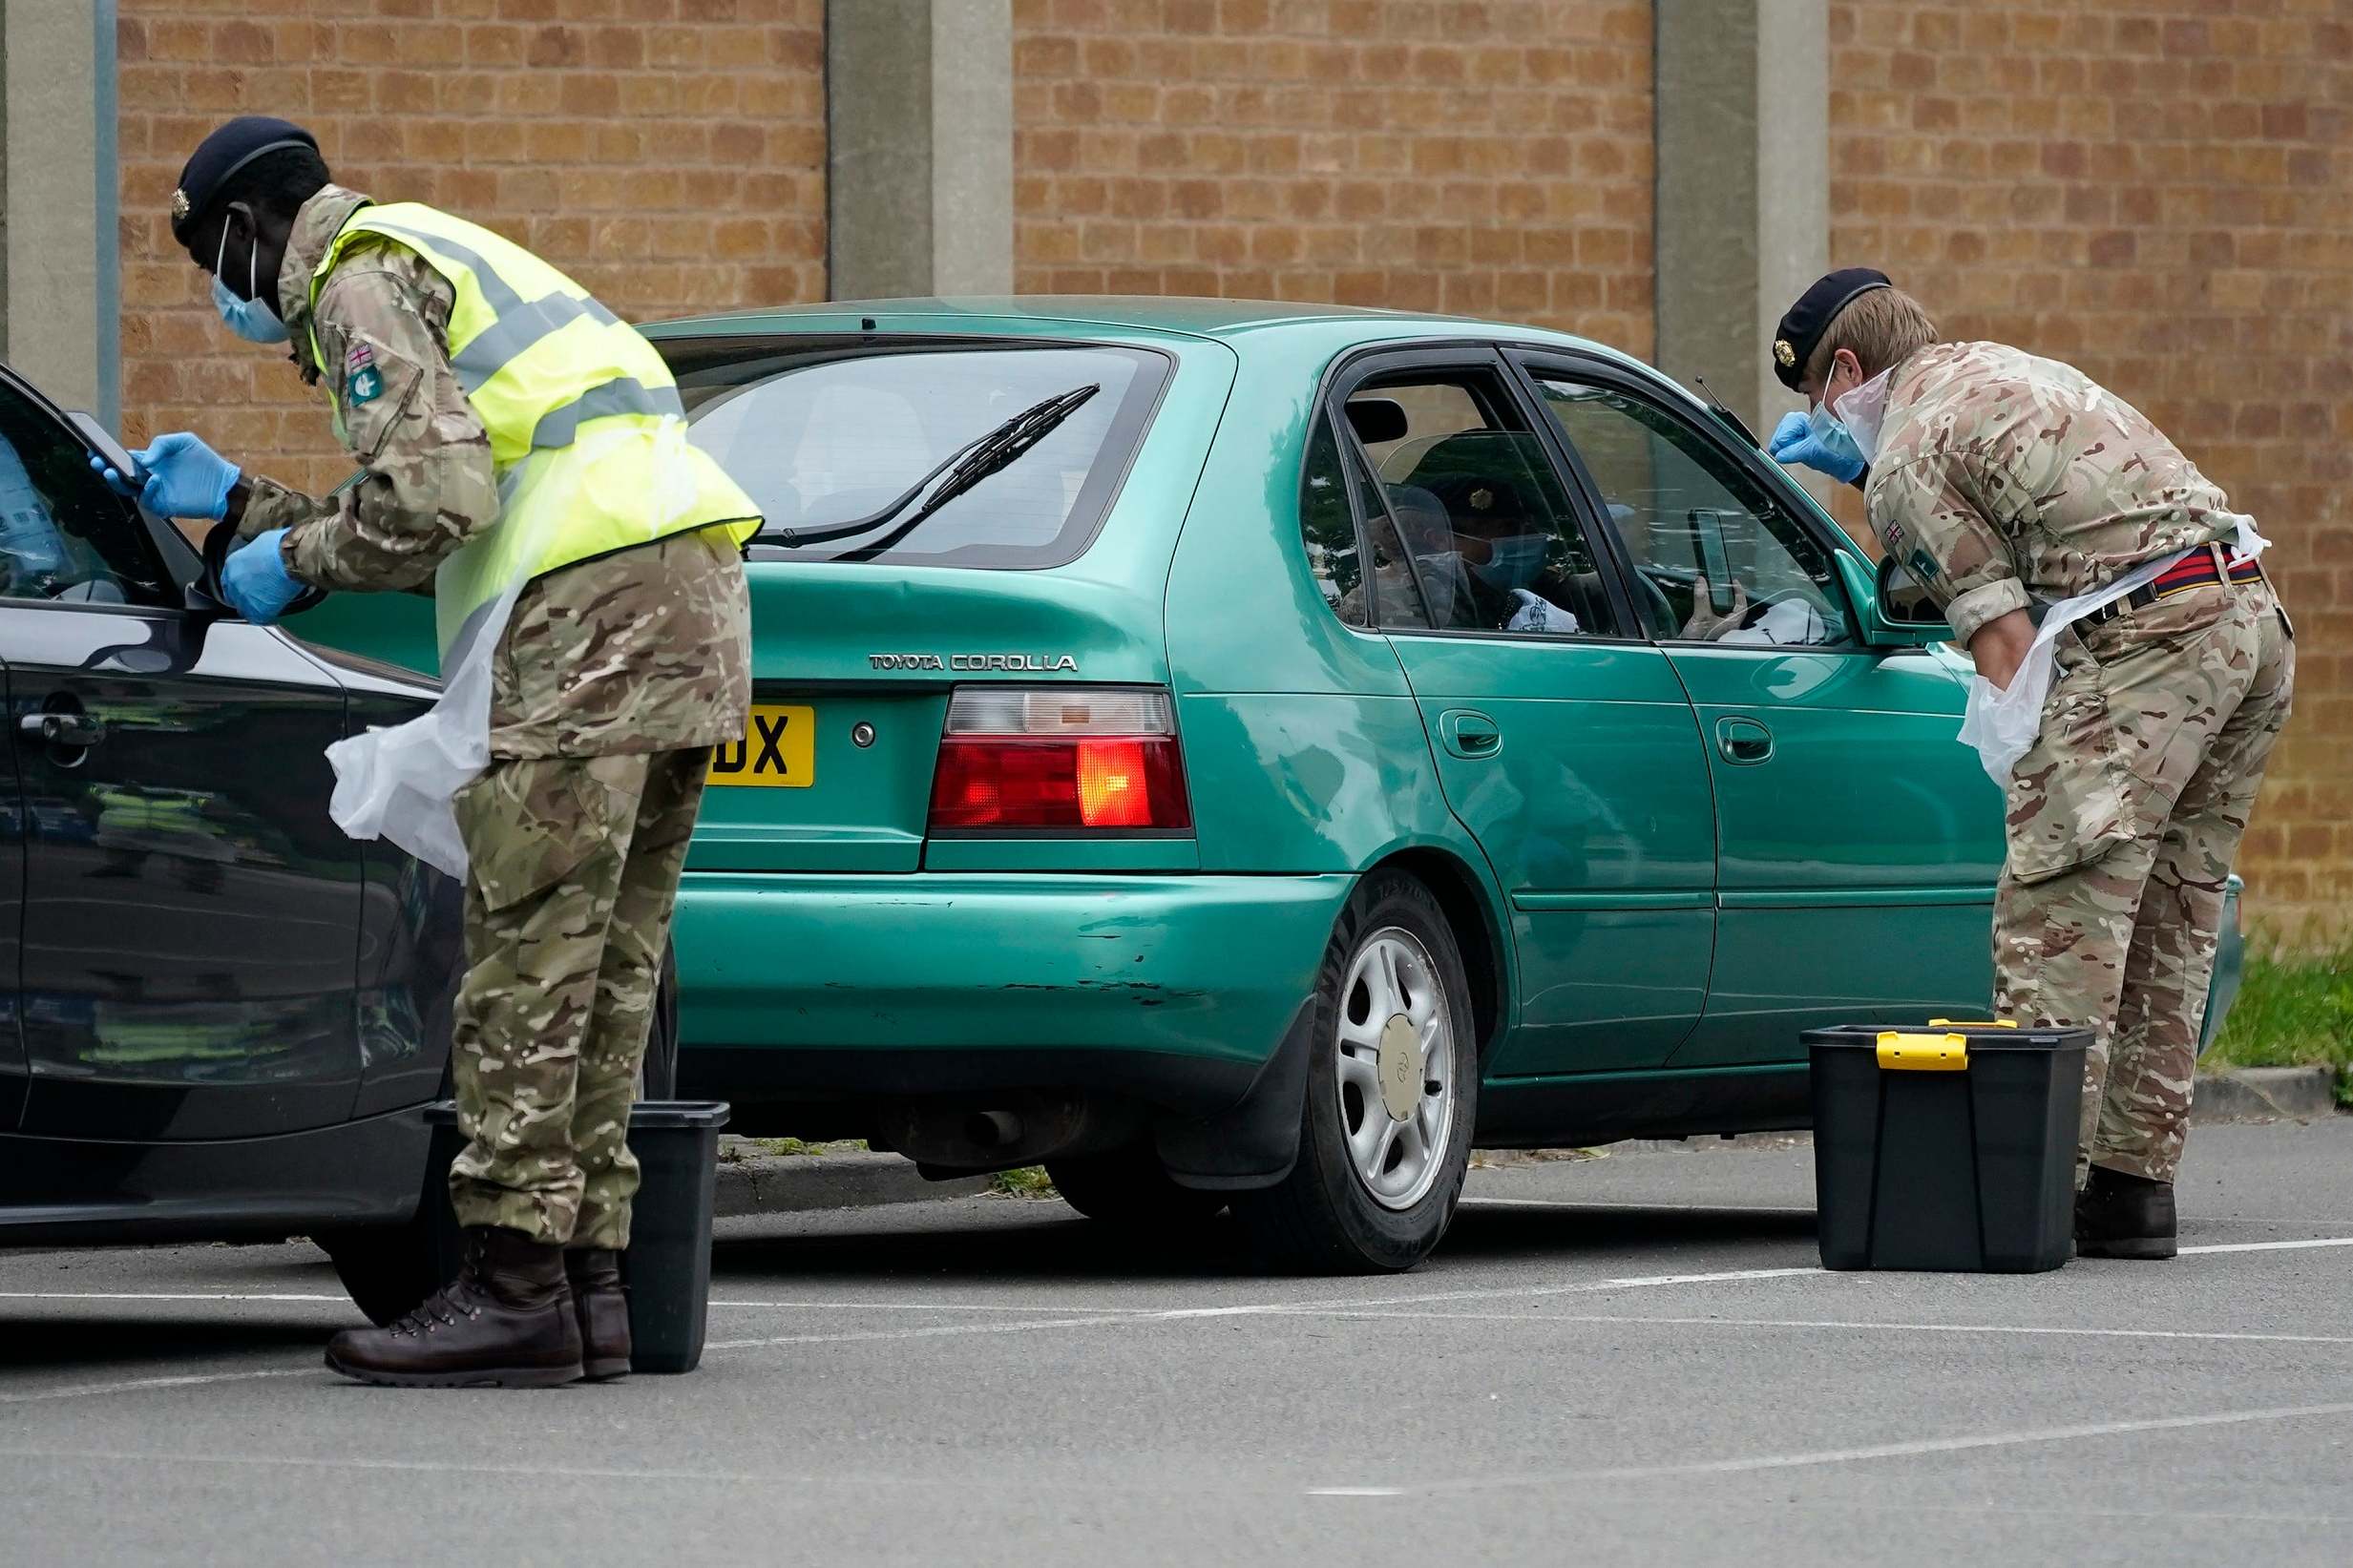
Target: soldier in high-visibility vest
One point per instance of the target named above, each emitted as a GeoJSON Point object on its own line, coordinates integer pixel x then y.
{"type": "Point", "coordinates": [522, 452]}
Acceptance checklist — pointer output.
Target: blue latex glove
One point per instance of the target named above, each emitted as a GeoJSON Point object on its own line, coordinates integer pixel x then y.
{"type": "Point", "coordinates": [185, 478]}
{"type": "Point", "coordinates": [1793, 441]}
{"type": "Point", "coordinates": [255, 581]}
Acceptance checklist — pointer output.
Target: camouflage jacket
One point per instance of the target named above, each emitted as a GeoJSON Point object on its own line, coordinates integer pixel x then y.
{"type": "Point", "coordinates": [2002, 479]}
{"type": "Point", "coordinates": [646, 650]}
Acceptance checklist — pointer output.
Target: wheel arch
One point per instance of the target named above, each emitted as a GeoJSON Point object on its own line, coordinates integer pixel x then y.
{"type": "Point", "coordinates": [1471, 913]}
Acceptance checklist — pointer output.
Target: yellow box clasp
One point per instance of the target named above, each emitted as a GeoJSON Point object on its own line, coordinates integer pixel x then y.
{"type": "Point", "coordinates": [1972, 1023]}
{"type": "Point", "coordinates": [1899, 1052]}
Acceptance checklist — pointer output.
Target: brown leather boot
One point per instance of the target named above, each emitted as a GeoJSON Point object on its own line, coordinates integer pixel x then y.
{"type": "Point", "coordinates": [2120, 1215]}
{"type": "Point", "coordinates": [506, 1322]}
{"type": "Point", "coordinates": [603, 1305]}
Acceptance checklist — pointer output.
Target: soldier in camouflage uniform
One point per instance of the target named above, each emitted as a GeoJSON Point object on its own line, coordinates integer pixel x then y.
{"type": "Point", "coordinates": [615, 679]}
{"type": "Point", "coordinates": [2004, 482]}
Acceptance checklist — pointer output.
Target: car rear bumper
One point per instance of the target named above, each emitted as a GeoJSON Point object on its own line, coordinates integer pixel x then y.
{"type": "Point", "coordinates": [1176, 989]}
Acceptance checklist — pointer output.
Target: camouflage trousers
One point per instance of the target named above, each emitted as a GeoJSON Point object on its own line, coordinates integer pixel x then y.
{"type": "Point", "coordinates": [2123, 821]}
{"type": "Point", "coordinates": [574, 868]}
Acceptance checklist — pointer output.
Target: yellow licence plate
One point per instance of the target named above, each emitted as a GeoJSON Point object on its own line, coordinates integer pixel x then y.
{"type": "Point", "coordinates": [778, 751]}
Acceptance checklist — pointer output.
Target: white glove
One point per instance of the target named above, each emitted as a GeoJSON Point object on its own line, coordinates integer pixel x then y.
{"type": "Point", "coordinates": [1538, 614]}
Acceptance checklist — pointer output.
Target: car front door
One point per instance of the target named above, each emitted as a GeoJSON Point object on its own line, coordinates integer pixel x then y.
{"type": "Point", "coordinates": [1859, 840]}
{"type": "Point", "coordinates": [190, 911]}
{"type": "Point", "coordinates": [1563, 741]}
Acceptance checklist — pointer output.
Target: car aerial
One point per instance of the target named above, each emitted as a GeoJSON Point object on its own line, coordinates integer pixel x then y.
{"type": "Point", "coordinates": [225, 1016]}
{"type": "Point", "coordinates": [1251, 755]}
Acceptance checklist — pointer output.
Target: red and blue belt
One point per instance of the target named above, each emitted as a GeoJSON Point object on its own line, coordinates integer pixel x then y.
{"type": "Point", "coordinates": [2201, 568]}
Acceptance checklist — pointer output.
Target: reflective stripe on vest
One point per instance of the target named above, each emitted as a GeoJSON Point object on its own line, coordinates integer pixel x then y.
{"type": "Point", "coordinates": [541, 362]}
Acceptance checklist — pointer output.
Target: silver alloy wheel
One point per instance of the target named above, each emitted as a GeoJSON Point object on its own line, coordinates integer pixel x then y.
{"type": "Point", "coordinates": [1396, 1060]}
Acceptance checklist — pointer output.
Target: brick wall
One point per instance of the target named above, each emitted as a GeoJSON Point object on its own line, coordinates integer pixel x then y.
{"type": "Point", "coordinates": [668, 153]}
{"type": "Point", "coordinates": [2161, 192]}
{"type": "Point", "coordinates": [1492, 159]}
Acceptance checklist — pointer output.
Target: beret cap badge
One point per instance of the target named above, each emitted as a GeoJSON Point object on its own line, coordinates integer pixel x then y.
{"type": "Point", "coordinates": [1481, 499]}
{"type": "Point", "coordinates": [180, 206]}
{"type": "Point", "coordinates": [1782, 351]}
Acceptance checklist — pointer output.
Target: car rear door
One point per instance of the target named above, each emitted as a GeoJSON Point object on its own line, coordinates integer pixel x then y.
{"type": "Point", "coordinates": [1569, 750]}
{"type": "Point", "coordinates": [1859, 840]}
{"type": "Point", "coordinates": [190, 911]}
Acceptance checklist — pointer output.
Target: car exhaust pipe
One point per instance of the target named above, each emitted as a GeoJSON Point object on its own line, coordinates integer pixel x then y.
{"type": "Point", "coordinates": [992, 1129]}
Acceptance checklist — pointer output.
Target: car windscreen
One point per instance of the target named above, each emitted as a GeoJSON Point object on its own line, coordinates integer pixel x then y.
{"type": "Point", "coordinates": [826, 434]}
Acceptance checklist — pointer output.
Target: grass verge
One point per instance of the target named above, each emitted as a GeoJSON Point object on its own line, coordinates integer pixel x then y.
{"type": "Point", "coordinates": [2293, 1009]}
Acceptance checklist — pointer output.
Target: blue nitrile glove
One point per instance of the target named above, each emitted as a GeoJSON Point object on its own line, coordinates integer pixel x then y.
{"type": "Point", "coordinates": [185, 478]}
{"type": "Point", "coordinates": [1795, 441]}
{"type": "Point", "coordinates": [255, 580]}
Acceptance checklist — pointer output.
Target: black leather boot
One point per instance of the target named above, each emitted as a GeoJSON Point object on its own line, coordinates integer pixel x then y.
{"type": "Point", "coordinates": [506, 1322]}
{"type": "Point", "coordinates": [603, 1305]}
{"type": "Point", "coordinates": [2120, 1215]}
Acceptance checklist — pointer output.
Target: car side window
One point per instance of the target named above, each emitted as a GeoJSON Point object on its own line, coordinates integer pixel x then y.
{"type": "Point", "coordinates": [64, 534]}
{"type": "Point", "coordinates": [1484, 537]}
{"type": "Point", "coordinates": [1714, 558]}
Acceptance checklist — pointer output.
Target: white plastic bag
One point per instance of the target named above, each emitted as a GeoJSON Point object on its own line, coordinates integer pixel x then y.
{"type": "Point", "coordinates": [2002, 722]}
{"type": "Point", "coordinates": [399, 783]}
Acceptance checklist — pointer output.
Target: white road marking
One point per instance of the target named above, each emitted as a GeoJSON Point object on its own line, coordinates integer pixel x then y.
{"type": "Point", "coordinates": [86, 1390]}
{"type": "Point", "coordinates": [942, 1331]}
{"type": "Point", "coordinates": [1855, 1323]}
{"type": "Point", "coordinates": [2269, 1247]}
{"type": "Point", "coordinates": [1355, 1492]}
{"type": "Point", "coordinates": [1913, 1449]}
{"type": "Point", "coordinates": [1571, 1204]}
{"type": "Point", "coordinates": [168, 1295]}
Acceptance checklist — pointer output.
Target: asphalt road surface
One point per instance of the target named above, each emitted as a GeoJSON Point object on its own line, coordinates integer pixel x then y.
{"type": "Point", "coordinates": [1630, 1359]}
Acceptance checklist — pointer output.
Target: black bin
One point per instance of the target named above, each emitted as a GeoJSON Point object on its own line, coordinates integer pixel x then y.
{"type": "Point", "coordinates": [667, 1268]}
{"type": "Point", "coordinates": [1948, 1148]}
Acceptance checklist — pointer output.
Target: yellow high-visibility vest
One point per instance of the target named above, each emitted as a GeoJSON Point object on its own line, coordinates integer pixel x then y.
{"type": "Point", "coordinates": [586, 431]}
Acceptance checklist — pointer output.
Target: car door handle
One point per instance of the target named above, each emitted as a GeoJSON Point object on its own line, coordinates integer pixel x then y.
{"type": "Point", "coordinates": [75, 730]}
{"type": "Point", "coordinates": [1743, 741]}
{"type": "Point", "coordinates": [1468, 733]}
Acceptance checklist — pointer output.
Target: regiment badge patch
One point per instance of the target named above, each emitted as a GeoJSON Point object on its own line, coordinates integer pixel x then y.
{"type": "Point", "coordinates": [1923, 565]}
{"type": "Point", "coordinates": [364, 388]}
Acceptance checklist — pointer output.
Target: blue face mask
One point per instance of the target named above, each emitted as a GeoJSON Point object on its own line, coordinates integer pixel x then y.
{"type": "Point", "coordinates": [1832, 435]}
{"type": "Point", "coordinates": [249, 318]}
{"type": "Point", "coordinates": [1514, 562]}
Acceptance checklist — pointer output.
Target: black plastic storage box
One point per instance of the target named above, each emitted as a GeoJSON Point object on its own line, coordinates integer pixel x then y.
{"type": "Point", "coordinates": [668, 1269]}
{"type": "Point", "coordinates": [1949, 1148]}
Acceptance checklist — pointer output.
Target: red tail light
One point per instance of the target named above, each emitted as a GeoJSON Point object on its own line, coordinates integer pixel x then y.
{"type": "Point", "coordinates": [1077, 758]}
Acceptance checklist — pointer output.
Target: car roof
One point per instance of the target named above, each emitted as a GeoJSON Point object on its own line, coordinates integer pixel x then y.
{"type": "Point", "coordinates": [1153, 314]}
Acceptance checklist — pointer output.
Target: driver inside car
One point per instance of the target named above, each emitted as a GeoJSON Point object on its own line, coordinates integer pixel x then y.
{"type": "Point", "coordinates": [1497, 559]}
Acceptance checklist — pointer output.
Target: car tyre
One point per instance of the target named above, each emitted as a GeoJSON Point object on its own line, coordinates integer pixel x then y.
{"type": "Point", "coordinates": [1131, 1186]}
{"type": "Point", "coordinates": [387, 1269]}
{"type": "Point", "coordinates": [1373, 1191]}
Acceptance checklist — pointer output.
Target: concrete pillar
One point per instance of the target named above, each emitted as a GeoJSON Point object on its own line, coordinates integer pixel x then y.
{"type": "Point", "coordinates": [1743, 208]}
{"type": "Point", "coordinates": [61, 292]}
{"type": "Point", "coordinates": [919, 159]}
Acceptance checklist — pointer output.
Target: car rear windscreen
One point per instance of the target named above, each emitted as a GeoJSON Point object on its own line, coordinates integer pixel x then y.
{"type": "Point", "coordinates": [855, 437]}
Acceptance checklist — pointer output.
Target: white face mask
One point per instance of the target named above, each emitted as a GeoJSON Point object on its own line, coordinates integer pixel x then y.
{"type": "Point", "coordinates": [250, 319]}
{"type": "Point", "coordinates": [1862, 409]}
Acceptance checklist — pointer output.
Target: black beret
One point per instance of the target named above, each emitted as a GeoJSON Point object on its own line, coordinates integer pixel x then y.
{"type": "Point", "coordinates": [221, 155]}
{"type": "Point", "coordinates": [1794, 340]}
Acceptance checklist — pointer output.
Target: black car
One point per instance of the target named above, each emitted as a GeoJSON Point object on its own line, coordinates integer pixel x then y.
{"type": "Point", "coordinates": [225, 1016]}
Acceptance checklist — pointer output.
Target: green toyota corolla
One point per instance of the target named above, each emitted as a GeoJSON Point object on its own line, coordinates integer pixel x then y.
{"type": "Point", "coordinates": [1249, 754]}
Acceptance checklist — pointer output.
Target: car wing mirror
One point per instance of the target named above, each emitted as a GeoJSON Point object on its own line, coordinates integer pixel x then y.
{"type": "Point", "coordinates": [1896, 610]}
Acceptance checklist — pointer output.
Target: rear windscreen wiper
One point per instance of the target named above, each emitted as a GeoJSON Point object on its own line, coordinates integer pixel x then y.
{"type": "Point", "coordinates": [963, 468]}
